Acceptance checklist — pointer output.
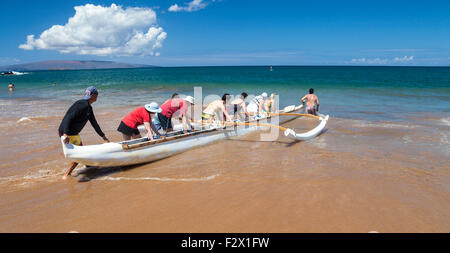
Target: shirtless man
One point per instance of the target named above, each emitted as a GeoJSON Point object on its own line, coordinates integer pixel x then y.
{"type": "Point", "coordinates": [217, 109]}
{"type": "Point", "coordinates": [11, 87]}
{"type": "Point", "coordinates": [311, 102]}
{"type": "Point", "coordinates": [239, 106]}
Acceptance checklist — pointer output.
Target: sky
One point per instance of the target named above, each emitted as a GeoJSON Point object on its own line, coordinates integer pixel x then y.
{"type": "Point", "coordinates": [228, 32]}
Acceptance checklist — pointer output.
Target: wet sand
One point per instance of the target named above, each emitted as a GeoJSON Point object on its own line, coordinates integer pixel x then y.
{"type": "Point", "coordinates": [358, 176]}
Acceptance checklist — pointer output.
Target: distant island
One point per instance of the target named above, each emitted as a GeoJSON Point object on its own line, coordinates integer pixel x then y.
{"type": "Point", "coordinates": [70, 65]}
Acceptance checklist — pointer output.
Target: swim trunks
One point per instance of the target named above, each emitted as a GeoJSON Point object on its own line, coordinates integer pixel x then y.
{"type": "Point", "coordinates": [311, 110]}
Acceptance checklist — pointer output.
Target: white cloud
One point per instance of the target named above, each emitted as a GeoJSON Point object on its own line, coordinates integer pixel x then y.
{"type": "Point", "coordinates": [380, 61]}
{"type": "Point", "coordinates": [370, 61]}
{"type": "Point", "coordinates": [195, 5]}
{"type": "Point", "coordinates": [103, 31]}
{"type": "Point", "coordinates": [404, 59]}
{"type": "Point", "coordinates": [360, 60]}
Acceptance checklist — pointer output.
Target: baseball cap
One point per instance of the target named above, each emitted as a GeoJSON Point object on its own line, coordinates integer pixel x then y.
{"type": "Point", "coordinates": [91, 90]}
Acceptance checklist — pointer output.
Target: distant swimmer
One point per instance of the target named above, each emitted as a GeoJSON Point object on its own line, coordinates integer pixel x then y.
{"type": "Point", "coordinates": [239, 107]}
{"type": "Point", "coordinates": [142, 115]}
{"type": "Point", "coordinates": [11, 87]}
{"type": "Point", "coordinates": [54, 84]}
{"type": "Point", "coordinates": [76, 118]}
{"type": "Point", "coordinates": [311, 102]}
{"type": "Point", "coordinates": [216, 109]}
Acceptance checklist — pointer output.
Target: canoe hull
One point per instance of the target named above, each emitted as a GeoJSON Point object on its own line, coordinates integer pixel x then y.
{"type": "Point", "coordinates": [113, 154]}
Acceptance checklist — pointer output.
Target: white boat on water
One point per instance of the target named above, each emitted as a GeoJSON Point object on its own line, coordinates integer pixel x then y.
{"type": "Point", "coordinates": [142, 150]}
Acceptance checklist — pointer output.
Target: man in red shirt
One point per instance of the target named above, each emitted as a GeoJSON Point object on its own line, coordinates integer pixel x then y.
{"type": "Point", "coordinates": [142, 115]}
{"type": "Point", "coordinates": [170, 107]}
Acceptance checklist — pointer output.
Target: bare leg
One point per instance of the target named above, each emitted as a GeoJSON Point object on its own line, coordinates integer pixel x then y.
{"type": "Point", "coordinates": [126, 137]}
{"type": "Point", "coordinates": [137, 136]}
{"type": "Point", "coordinates": [70, 169]}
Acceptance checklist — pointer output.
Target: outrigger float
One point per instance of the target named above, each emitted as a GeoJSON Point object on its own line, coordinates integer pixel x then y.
{"type": "Point", "coordinates": [142, 150]}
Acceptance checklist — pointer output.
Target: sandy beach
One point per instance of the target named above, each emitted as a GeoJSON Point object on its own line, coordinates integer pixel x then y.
{"type": "Point", "coordinates": [358, 176]}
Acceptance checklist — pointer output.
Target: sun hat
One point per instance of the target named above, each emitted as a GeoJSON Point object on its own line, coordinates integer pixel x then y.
{"type": "Point", "coordinates": [153, 107]}
{"type": "Point", "coordinates": [91, 90]}
{"type": "Point", "coordinates": [264, 95]}
{"type": "Point", "coordinates": [189, 99]}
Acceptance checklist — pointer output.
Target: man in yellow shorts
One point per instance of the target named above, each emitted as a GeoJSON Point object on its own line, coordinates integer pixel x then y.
{"type": "Point", "coordinates": [75, 120]}
{"type": "Point", "coordinates": [75, 140]}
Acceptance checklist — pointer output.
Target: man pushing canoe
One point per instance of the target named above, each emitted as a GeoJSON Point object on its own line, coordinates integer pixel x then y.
{"type": "Point", "coordinates": [142, 115]}
{"type": "Point", "coordinates": [170, 107]}
{"type": "Point", "coordinates": [76, 118]}
{"type": "Point", "coordinates": [311, 101]}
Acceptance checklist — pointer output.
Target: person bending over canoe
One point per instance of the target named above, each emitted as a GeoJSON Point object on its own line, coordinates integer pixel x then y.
{"type": "Point", "coordinates": [76, 118]}
{"type": "Point", "coordinates": [170, 107]}
{"type": "Point", "coordinates": [216, 109]}
{"type": "Point", "coordinates": [311, 102]}
{"type": "Point", "coordinates": [156, 120]}
{"type": "Point", "coordinates": [142, 115]}
{"type": "Point", "coordinates": [256, 105]}
{"type": "Point", "coordinates": [239, 106]}
{"type": "Point", "coordinates": [269, 104]}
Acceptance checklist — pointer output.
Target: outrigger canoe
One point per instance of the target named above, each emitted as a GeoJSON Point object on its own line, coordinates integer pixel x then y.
{"type": "Point", "coordinates": [142, 150]}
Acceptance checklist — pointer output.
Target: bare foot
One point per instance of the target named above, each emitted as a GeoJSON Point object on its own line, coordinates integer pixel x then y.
{"type": "Point", "coordinates": [64, 177]}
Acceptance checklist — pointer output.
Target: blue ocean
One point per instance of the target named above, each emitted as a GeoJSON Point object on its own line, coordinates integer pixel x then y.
{"type": "Point", "coordinates": [373, 93]}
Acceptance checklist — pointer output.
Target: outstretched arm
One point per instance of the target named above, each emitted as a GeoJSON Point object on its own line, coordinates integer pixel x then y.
{"type": "Point", "coordinates": [226, 113]}
{"type": "Point", "coordinates": [97, 127]}
{"type": "Point", "coordinates": [149, 132]}
{"type": "Point", "coordinates": [185, 123]}
{"type": "Point", "coordinates": [244, 106]}
{"type": "Point", "coordinates": [153, 127]}
{"type": "Point", "coordinates": [303, 99]}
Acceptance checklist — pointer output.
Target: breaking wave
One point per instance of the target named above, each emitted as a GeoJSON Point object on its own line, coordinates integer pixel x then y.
{"type": "Point", "coordinates": [43, 175]}
{"type": "Point", "coordinates": [446, 121]}
{"type": "Point", "coordinates": [19, 73]}
{"type": "Point", "coordinates": [29, 119]}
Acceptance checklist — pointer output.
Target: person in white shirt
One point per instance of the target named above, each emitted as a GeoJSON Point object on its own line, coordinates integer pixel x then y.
{"type": "Point", "coordinates": [256, 105]}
